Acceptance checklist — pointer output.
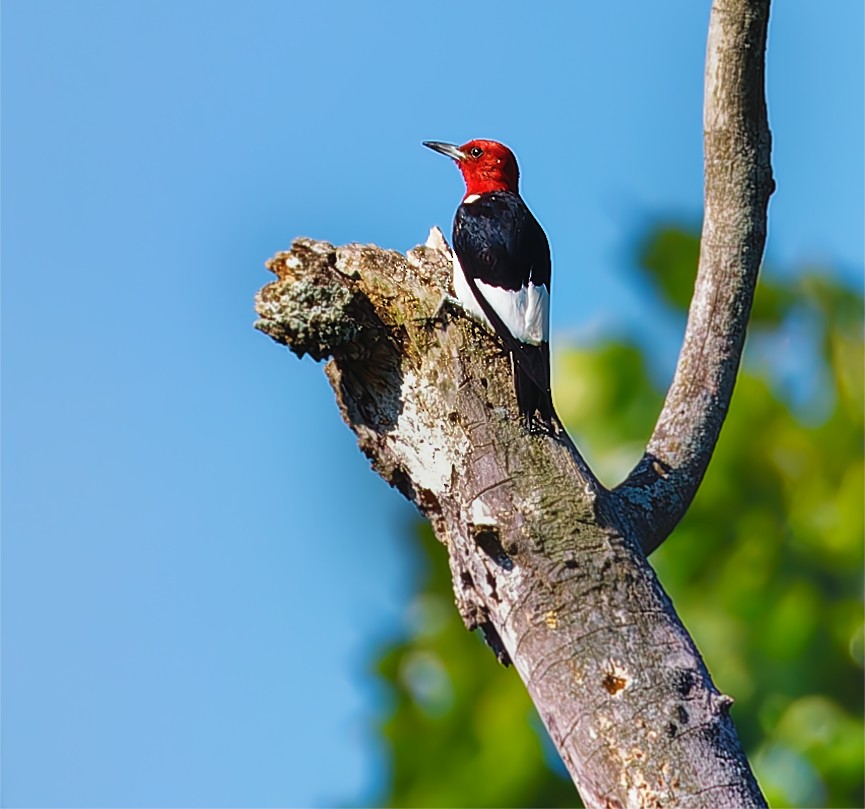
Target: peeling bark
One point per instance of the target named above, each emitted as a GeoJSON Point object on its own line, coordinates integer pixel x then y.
{"type": "Point", "coordinates": [545, 561]}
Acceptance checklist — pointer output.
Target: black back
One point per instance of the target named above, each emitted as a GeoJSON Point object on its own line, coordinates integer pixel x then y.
{"type": "Point", "coordinates": [499, 242]}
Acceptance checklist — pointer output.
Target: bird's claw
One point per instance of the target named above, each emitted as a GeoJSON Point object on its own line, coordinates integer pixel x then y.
{"type": "Point", "coordinates": [538, 426]}
{"type": "Point", "coordinates": [439, 316]}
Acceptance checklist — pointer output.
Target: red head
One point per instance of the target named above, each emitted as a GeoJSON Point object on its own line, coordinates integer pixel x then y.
{"type": "Point", "coordinates": [486, 165]}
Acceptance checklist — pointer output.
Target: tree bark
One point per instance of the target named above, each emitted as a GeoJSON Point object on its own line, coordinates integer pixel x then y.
{"type": "Point", "coordinates": [545, 561]}
{"type": "Point", "coordinates": [738, 170]}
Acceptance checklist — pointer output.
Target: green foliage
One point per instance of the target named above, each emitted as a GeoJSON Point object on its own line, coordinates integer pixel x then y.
{"type": "Point", "coordinates": [668, 255]}
{"type": "Point", "coordinates": [765, 569]}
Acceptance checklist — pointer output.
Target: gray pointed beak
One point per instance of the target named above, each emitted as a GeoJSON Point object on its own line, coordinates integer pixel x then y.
{"type": "Point", "coordinates": [447, 149]}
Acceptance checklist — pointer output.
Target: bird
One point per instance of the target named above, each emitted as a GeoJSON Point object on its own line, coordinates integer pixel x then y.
{"type": "Point", "coordinates": [502, 268]}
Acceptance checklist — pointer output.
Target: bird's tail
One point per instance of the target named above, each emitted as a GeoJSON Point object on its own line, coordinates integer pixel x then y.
{"type": "Point", "coordinates": [531, 365]}
{"type": "Point", "coordinates": [532, 384]}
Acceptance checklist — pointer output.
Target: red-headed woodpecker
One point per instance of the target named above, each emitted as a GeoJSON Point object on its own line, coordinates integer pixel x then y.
{"type": "Point", "coordinates": [502, 267]}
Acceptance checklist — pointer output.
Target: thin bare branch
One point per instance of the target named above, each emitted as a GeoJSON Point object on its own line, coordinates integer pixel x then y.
{"type": "Point", "coordinates": [737, 146]}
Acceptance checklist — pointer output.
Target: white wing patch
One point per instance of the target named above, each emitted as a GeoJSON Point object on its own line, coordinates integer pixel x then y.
{"type": "Point", "coordinates": [525, 312]}
{"type": "Point", "coordinates": [465, 295]}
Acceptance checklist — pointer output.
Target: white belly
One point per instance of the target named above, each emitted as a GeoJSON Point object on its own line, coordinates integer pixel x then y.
{"type": "Point", "coordinates": [525, 313]}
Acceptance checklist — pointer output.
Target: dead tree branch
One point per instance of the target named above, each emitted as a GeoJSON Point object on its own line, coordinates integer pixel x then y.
{"type": "Point", "coordinates": [737, 148]}
{"type": "Point", "coordinates": [545, 561]}
{"type": "Point", "coordinates": [554, 586]}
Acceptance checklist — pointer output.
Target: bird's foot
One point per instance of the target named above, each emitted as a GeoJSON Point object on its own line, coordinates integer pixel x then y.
{"type": "Point", "coordinates": [447, 303]}
{"type": "Point", "coordinates": [535, 425]}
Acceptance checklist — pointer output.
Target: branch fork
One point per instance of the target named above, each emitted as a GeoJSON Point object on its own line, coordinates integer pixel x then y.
{"type": "Point", "coordinates": [549, 564]}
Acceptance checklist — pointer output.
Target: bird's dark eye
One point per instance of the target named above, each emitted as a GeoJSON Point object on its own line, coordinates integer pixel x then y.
{"type": "Point", "coordinates": [476, 151]}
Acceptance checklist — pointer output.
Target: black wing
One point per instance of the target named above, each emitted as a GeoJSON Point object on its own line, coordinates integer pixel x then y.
{"type": "Point", "coordinates": [499, 242]}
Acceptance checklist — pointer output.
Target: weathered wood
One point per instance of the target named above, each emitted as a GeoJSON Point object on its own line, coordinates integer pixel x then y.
{"type": "Point", "coordinates": [537, 564]}
{"type": "Point", "coordinates": [548, 563]}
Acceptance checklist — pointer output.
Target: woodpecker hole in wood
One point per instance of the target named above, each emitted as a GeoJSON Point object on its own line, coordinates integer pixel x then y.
{"type": "Point", "coordinates": [613, 684]}
{"type": "Point", "coordinates": [489, 542]}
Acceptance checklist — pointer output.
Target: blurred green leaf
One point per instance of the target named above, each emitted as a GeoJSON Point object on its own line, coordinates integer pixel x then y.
{"type": "Point", "coordinates": [668, 256]}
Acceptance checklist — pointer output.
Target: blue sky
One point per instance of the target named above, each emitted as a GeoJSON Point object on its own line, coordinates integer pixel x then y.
{"type": "Point", "coordinates": [197, 563]}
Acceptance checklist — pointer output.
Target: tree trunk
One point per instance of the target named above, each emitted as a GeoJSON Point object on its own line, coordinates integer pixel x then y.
{"type": "Point", "coordinates": [545, 561]}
